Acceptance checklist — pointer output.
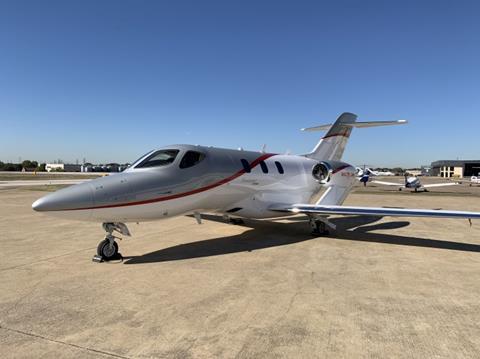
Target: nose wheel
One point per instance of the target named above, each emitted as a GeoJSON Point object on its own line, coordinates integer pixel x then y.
{"type": "Point", "coordinates": [107, 249]}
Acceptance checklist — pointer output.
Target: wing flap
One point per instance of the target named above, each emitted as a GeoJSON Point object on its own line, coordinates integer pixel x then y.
{"type": "Point", "coordinates": [376, 211]}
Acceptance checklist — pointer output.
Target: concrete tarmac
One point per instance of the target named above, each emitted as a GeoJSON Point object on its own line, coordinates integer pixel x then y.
{"type": "Point", "coordinates": [378, 287]}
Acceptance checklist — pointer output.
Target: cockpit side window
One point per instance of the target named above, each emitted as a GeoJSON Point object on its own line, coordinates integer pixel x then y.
{"type": "Point", "coordinates": [191, 158]}
{"type": "Point", "coordinates": [158, 158]}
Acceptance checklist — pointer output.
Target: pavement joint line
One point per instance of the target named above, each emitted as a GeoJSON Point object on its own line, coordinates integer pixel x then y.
{"type": "Point", "coordinates": [45, 260]}
{"type": "Point", "coordinates": [63, 343]}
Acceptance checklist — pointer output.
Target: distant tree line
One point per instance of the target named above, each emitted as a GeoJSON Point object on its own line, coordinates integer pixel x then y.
{"type": "Point", "coordinates": [27, 165]}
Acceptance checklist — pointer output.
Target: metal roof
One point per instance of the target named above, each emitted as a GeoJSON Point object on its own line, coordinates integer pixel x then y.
{"type": "Point", "coordinates": [453, 163]}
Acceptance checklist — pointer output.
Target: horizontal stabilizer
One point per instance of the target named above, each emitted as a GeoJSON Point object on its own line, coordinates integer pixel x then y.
{"type": "Point", "coordinates": [375, 211]}
{"type": "Point", "coordinates": [358, 125]}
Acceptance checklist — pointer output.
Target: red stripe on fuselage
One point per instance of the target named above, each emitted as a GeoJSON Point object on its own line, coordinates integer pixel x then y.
{"type": "Point", "coordinates": [179, 195]}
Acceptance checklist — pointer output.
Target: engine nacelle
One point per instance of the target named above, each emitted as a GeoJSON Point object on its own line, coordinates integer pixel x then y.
{"type": "Point", "coordinates": [324, 172]}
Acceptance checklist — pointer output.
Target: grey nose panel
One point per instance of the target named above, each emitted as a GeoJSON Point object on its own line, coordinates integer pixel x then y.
{"type": "Point", "coordinates": [73, 197]}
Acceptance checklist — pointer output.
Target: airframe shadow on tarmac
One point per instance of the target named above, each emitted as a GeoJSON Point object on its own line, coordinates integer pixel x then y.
{"type": "Point", "coordinates": [266, 234]}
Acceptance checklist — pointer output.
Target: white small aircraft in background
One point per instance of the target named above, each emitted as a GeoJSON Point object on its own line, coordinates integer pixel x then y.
{"type": "Point", "coordinates": [414, 182]}
{"type": "Point", "coordinates": [474, 180]}
{"type": "Point", "coordinates": [380, 173]}
{"type": "Point", "coordinates": [364, 174]}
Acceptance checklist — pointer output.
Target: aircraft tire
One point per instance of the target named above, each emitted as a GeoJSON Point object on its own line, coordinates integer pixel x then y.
{"type": "Point", "coordinates": [106, 251]}
{"type": "Point", "coordinates": [319, 229]}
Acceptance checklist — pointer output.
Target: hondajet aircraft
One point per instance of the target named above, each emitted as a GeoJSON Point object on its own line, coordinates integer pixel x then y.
{"type": "Point", "coordinates": [185, 179]}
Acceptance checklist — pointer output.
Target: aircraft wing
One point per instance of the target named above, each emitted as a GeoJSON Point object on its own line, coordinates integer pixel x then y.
{"type": "Point", "coordinates": [375, 211]}
{"type": "Point", "coordinates": [389, 183]}
{"type": "Point", "coordinates": [440, 184]}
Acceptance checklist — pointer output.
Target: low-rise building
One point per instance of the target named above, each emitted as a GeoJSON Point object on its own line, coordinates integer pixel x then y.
{"type": "Point", "coordinates": [414, 172]}
{"type": "Point", "coordinates": [64, 167]}
{"type": "Point", "coordinates": [455, 168]}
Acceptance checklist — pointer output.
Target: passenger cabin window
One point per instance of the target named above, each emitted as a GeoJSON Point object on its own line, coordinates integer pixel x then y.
{"type": "Point", "coordinates": [264, 167]}
{"type": "Point", "coordinates": [246, 165]}
{"type": "Point", "coordinates": [279, 167]}
{"type": "Point", "coordinates": [191, 158]}
{"type": "Point", "coordinates": [158, 158]}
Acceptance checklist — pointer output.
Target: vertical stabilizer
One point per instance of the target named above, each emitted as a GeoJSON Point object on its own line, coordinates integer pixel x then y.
{"type": "Point", "coordinates": [332, 145]}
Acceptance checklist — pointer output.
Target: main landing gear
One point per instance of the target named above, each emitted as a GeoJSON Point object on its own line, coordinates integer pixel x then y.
{"type": "Point", "coordinates": [108, 249]}
{"type": "Point", "coordinates": [320, 225]}
{"type": "Point", "coordinates": [233, 220]}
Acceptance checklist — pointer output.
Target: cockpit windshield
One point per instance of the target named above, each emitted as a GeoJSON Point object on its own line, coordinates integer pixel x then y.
{"type": "Point", "coordinates": [159, 158]}
{"type": "Point", "coordinates": [137, 161]}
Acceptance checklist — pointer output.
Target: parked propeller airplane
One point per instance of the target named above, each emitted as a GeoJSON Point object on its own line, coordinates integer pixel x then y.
{"type": "Point", "coordinates": [474, 180]}
{"type": "Point", "coordinates": [184, 179]}
{"type": "Point", "coordinates": [364, 174]}
{"type": "Point", "coordinates": [371, 172]}
{"type": "Point", "coordinates": [414, 183]}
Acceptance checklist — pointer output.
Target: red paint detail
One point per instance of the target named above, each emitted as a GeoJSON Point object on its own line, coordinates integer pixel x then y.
{"type": "Point", "coordinates": [340, 134]}
{"type": "Point", "coordinates": [183, 194]}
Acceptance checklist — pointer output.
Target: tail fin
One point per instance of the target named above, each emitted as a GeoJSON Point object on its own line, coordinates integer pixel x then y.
{"type": "Point", "coordinates": [332, 145]}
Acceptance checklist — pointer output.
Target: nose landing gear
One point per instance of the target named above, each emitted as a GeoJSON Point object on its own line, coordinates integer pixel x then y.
{"type": "Point", "coordinates": [108, 249]}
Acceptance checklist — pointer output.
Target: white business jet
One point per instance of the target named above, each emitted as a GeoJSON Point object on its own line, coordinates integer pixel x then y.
{"type": "Point", "coordinates": [185, 179]}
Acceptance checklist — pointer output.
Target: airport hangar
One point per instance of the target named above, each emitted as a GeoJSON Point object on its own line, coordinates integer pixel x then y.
{"type": "Point", "coordinates": [455, 168]}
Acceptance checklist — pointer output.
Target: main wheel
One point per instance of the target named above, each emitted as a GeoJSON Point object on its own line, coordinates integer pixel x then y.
{"type": "Point", "coordinates": [107, 250]}
{"type": "Point", "coordinates": [319, 228]}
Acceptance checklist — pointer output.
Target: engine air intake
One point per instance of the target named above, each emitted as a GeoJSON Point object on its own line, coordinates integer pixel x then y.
{"type": "Point", "coordinates": [322, 172]}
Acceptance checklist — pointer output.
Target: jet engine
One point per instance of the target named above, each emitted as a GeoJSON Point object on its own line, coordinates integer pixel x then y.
{"type": "Point", "coordinates": [322, 172]}
{"type": "Point", "coordinates": [325, 171]}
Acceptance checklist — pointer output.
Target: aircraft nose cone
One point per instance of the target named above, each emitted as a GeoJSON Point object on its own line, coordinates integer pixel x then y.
{"type": "Point", "coordinates": [74, 197]}
{"type": "Point", "coordinates": [40, 205]}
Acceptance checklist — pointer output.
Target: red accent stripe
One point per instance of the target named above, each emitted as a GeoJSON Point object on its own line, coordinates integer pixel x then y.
{"type": "Point", "coordinates": [335, 135]}
{"type": "Point", "coordinates": [344, 133]}
{"type": "Point", "coordinates": [183, 194]}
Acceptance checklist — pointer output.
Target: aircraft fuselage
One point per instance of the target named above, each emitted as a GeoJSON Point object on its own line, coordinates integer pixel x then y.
{"type": "Point", "coordinates": [236, 182]}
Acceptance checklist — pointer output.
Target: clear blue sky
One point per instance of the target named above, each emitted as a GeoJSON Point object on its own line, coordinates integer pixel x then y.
{"type": "Point", "coordinates": [109, 80]}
